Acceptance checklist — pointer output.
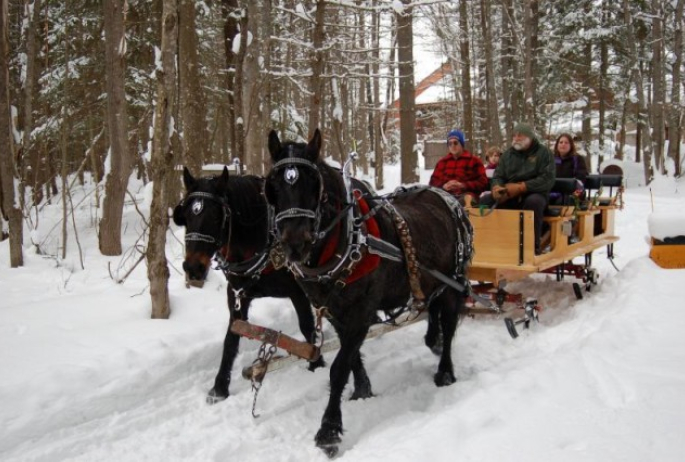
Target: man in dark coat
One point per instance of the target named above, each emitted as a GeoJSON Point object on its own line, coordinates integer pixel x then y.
{"type": "Point", "coordinates": [524, 177]}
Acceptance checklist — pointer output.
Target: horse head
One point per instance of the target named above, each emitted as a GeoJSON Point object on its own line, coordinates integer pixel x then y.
{"type": "Point", "coordinates": [206, 215]}
{"type": "Point", "coordinates": [294, 188]}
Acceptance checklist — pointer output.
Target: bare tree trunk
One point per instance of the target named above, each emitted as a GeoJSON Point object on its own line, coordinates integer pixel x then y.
{"type": "Point", "coordinates": [238, 89]}
{"type": "Point", "coordinates": [586, 73]}
{"type": "Point", "coordinates": [465, 52]}
{"type": "Point", "coordinates": [508, 67]}
{"type": "Point", "coordinates": [229, 9]}
{"type": "Point", "coordinates": [377, 129]}
{"type": "Point", "coordinates": [31, 156]}
{"type": "Point", "coordinates": [405, 57]}
{"type": "Point", "coordinates": [254, 80]}
{"type": "Point", "coordinates": [162, 165]}
{"type": "Point", "coordinates": [530, 27]}
{"type": "Point", "coordinates": [602, 94]}
{"type": "Point", "coordinates": [624, 120]}
{"type": "Point", "coordinates": [675, 112]}
{"type": "Point", "coordinates": [364, 97]}
{"type": "Point", "coordinates": [63, 142]}
{"type": "Point", "coordinates": [9, 205]}
{"type": "Point", "coordinates": [658, 92]}
{"type": "Point", "coordinates": [192, 98]}
{"type": "Point", "coordinates": [493, 126]}
{"type": "Point", "coordinates": [643, 129]}
{"type": "Point", "coordinates": [336, 147]}
{"type": "Point", "coordinates": [269, 87]}
{"type": "Point", "coordinates": [120, 161]}
{"type": "Point", "coordinates": [64, 135]}
{"type": "Point", "coordinates": [316, 86]}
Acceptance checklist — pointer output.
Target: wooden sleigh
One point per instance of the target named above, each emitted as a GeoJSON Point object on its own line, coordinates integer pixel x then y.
{"type": "Point", "coordinates": [504, 243]}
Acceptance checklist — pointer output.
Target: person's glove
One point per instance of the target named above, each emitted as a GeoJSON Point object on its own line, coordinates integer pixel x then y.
{"type": "Point", "coordinates": [499, 193]}
{"type": "Point", "coordinates": [515, 189]}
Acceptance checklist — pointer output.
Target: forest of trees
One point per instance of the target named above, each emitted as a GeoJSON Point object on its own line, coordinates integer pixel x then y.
{"type": "Point", "coordinates": [135, 87]}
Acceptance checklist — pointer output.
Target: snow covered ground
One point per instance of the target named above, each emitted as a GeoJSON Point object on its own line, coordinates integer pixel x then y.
{"type": "Point", "coordinates": [85, 375]}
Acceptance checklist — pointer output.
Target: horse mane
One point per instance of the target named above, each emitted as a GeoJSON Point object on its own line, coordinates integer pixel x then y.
{"type": "Point", "coordinates": [244, 194]}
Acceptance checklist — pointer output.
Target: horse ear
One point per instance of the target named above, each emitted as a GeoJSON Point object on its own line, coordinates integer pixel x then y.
{"type": "Point", "coordinates": [178, 217]}
{"type": "Point", "coordinates": [222, 181]}
{"type": "Point", "coordinates": [188, 181]}
{"type": "Point", "coordinates": [274, 145]}
{"type": "Point", "coordinates": [314, 146]}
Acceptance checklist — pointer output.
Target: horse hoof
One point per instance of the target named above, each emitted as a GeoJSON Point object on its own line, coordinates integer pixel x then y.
{"type": "Point", "coordinates": [330, 451]}
{"type": "Point", "coordinates": [443, 379]}
{"type": "Point", "coordinates": [314, 365]}
{"type": "Point", "coordinates": [215, 396]}
{"type": "Point", "coordinates": [328, 439]}
{"type": "Point", "coordinates": [361, 394]}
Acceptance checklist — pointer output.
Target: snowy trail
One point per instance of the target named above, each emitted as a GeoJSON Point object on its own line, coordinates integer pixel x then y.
{"type": "Point", "coordinates": [162, 406]}
{"type": "Point", "coordinates": [88, 377]}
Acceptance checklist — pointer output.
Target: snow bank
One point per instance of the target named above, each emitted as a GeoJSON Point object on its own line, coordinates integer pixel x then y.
{"type": "Point", "coordinates": [666, 224]}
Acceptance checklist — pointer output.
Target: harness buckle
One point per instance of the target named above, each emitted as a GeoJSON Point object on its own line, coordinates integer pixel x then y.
{"type": "Point", "coordinates": [355, 255]}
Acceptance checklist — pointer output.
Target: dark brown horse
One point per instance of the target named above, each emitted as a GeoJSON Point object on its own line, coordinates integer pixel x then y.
{"type": "Point", "coordinates": [228, 216]}
{"type": "Point", "coordinates": [328, 234]}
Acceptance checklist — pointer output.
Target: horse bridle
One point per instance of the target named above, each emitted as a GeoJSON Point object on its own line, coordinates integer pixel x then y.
{"type": "Point", "coordinates": [297, 212]}
{"type": "Point", "coordinates": [226, 211]}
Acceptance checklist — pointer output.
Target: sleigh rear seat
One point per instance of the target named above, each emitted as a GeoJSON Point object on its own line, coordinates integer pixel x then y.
{"type": "Point", "coordinates": [595, 186]}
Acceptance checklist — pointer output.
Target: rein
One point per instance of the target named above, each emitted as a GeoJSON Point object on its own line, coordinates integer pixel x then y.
{"type": "Point", "coordinates": [254, 266]}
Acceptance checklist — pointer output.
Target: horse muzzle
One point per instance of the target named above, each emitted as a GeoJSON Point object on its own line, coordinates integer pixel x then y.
{"type": "Point", "coordinates": [196, 268]}
{"type": "Point", "coordinates": [297, 245]}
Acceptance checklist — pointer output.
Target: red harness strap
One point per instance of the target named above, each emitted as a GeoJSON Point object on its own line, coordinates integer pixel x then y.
{"type": "Point", "coordinates": [369, 262]}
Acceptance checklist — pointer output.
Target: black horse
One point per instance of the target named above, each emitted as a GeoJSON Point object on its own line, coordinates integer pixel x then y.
{"type": "Point", "coordinates": [327, 234]}
{"type": "Point", "coordinates": [229, 216]}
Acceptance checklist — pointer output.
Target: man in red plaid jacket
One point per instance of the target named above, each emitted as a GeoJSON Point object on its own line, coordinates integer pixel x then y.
{"type": "Point", "coordinates": [460, 172]}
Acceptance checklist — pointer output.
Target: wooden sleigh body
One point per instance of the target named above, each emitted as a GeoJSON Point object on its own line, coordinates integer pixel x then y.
{"type": "Point", "coordinates": [504, 248]}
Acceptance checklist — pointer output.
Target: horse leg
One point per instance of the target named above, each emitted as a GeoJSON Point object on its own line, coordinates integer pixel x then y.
{"type": "Point", "coordinates": [433, 336]}
{"type": "Point", "coordinates": [362, 384]}
{"type": "Point", "coordinates": [305, 318]}
{"type": "Point", "coordinates": [451, 303]}
{"type": "Point", "coordinates": [231, 343]}
{"type": "Point", "coordinates": [328, 436]}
